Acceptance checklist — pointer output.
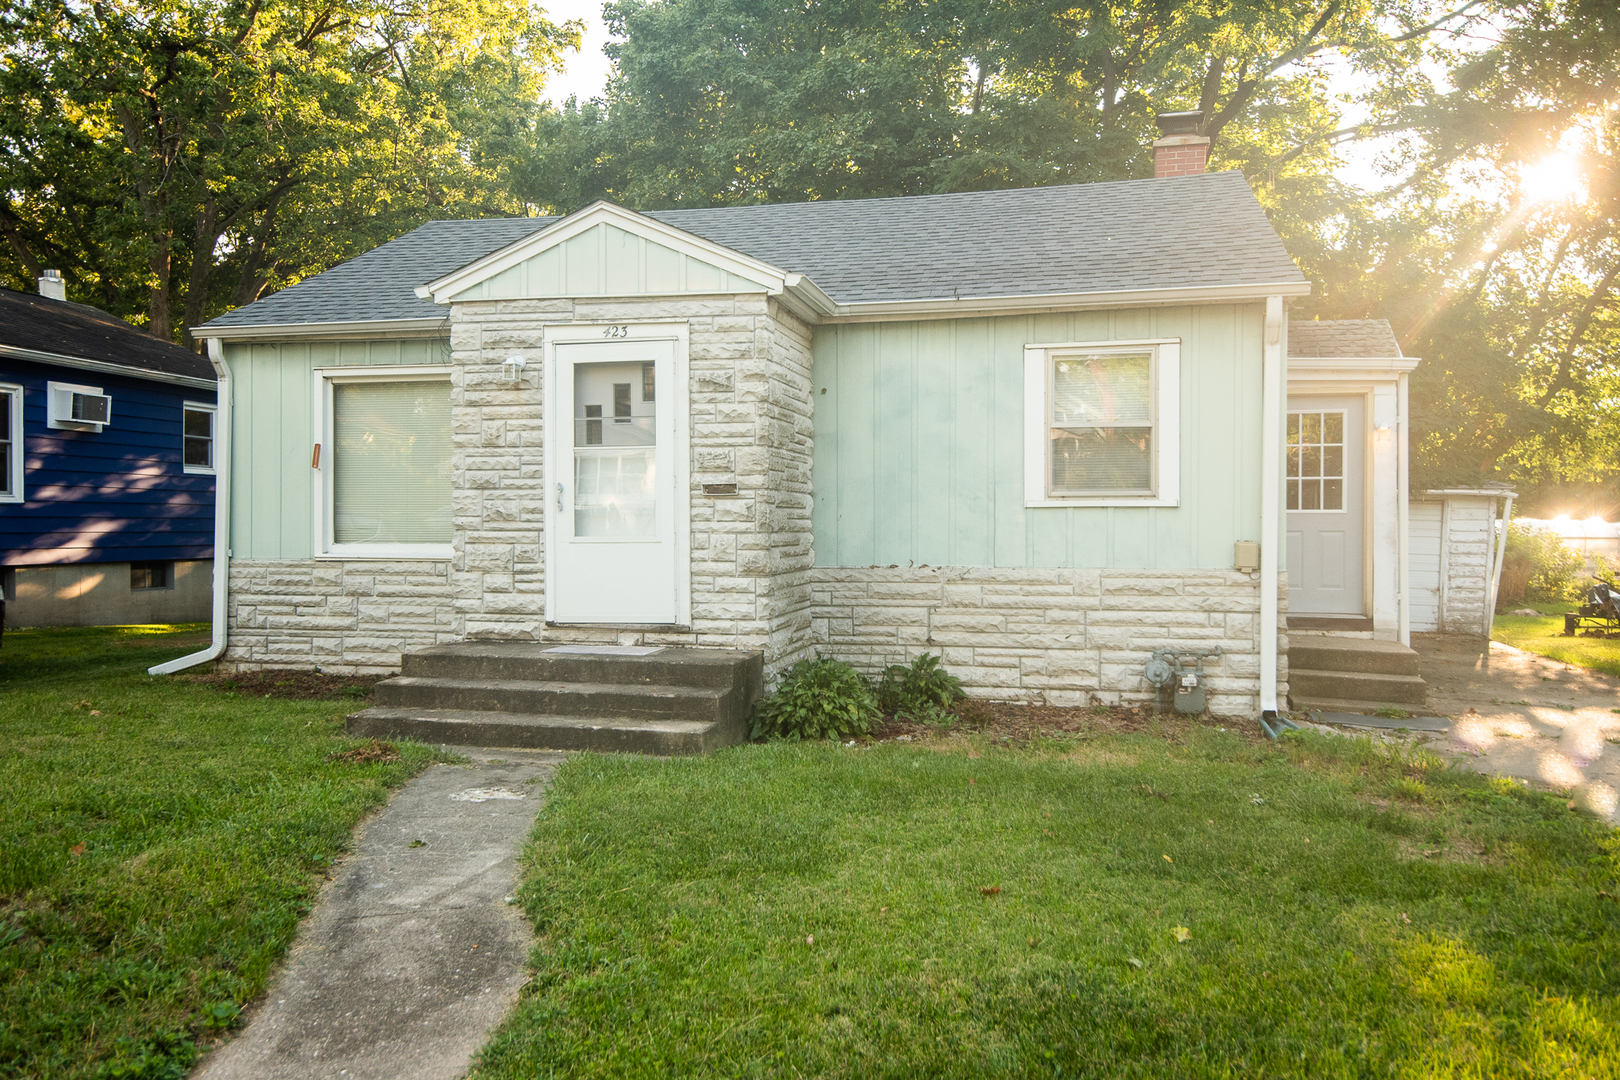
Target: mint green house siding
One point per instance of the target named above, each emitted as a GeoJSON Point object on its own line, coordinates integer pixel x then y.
{"type": "Point", "coordinates": [272, 435]}
{"type": "Point", "coordinates": [919, 444]}
{"type": "Point", "coordinates": [608, 261]}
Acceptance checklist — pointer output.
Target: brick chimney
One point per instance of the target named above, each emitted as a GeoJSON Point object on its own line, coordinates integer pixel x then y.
{"type": "Point", "coordinates": [1180, 151]}
{"type": "Point", "coordinates": [52, 286]}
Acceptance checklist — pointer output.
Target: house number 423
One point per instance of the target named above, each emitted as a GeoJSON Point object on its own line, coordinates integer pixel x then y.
{"type": "Point", "coordinates": [616, 331]}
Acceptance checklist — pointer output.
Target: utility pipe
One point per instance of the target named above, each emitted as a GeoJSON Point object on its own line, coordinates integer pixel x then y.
{"type": "Point", "coordinates": [1271, 428]}
{"type": "Point", "coordinates": [222, 517]}
{"type": "Point", "coordinates": [1496, 575]}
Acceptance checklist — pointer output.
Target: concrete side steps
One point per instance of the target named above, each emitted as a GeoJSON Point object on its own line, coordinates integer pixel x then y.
{"type": "Point", "coordinates": [1351, 654]}
{"type": "Point", "coordinates": [1357, 686]}
{"type": "Point", "coordinates": [668, 667]}
{"type": "Point", "coordinates": [671, 701]}
{"type": "Point", "coordinates": [1367, 708]}
{"type": "Point", "coordinates": [635, 701]}
{"type": "Point", "coordinates": [463, 727]}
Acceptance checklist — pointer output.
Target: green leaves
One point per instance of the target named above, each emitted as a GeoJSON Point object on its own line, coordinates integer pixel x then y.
{"type": "Point", "coordinates": [817, 699]}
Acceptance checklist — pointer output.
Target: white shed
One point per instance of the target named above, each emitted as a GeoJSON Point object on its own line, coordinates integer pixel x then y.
{"type": "Point", "coordinates": [1455, 558]}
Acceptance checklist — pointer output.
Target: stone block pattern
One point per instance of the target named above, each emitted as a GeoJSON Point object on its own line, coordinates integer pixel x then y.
{"type": "Point", "coordinates": [1045, 635]}
{"type": "Point", "coordinates": [349, 617]}
{"type": "Point", "coordinates": [750, 384]}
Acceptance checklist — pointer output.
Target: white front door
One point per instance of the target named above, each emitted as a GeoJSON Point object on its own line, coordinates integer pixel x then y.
{"type": "Point", "coordinates": [611, 455]}
{"type": "Point", "coordinates": [1326, 458]}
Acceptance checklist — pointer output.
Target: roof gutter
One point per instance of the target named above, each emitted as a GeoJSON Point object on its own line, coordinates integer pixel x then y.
{"type": "Point", "coordinates": [436, 326]}
{"type": "Point", "coordinates": [222, 522]}
{"type": "Point", "coordinates": [968, 306]}
{"type": "Point", "coordinates": [105, 367]}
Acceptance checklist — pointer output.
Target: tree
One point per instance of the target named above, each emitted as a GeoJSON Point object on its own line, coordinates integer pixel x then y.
{"type": "Point", "coordinates": [182, 156]}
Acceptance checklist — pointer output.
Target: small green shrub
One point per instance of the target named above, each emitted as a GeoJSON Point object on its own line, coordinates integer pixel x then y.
{"type": "Point", "coordinates": [817, 699]}
{"type": "Point", "coordinates": [923, 687]}
{"type": "Point", "coordinates": [1538, 565]}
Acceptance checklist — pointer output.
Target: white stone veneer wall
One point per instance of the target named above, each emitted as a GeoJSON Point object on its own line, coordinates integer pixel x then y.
{"type": "Point", "coordinates": [750, 384]}
{"type": "Point", "coordinates": [1051, 636]}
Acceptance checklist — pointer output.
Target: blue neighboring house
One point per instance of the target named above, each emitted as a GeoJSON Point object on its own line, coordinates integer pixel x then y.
{"type": "Point", "coordinates": [106, 468]}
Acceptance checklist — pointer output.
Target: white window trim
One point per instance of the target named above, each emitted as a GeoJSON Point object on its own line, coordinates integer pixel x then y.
{"type": "Point", "coordinates": [325, 379]}
{"type": "Point", "coordinates": [14, 492]}
{"type": "Point", "coordinates": [1164, 389]}
{"type": "Point", "coordinates": [213, 437]}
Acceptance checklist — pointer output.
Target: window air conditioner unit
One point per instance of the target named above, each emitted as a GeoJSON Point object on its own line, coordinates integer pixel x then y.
{"type": "Point", "coordinates": [77, 408]}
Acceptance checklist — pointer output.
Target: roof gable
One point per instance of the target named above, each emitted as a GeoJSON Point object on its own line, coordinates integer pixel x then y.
{"type": "Point", "coordinates": [605, 250]}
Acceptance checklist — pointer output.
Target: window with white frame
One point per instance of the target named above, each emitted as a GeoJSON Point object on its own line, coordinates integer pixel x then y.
{"type": "Point", "coordinates": [11, 443]}
{"type": "Point", "coordinates": [197, 437]}
{"type": "Point", "coordinates": [384, 463]}
{"type": "Point", "coordinates": [1102, 423]}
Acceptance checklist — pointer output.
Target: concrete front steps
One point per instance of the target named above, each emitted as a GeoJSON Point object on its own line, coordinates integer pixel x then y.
{"type": "Point", "coordinates": [1344, 674]}
{"type": "Point", "coordinates": [531, 696]}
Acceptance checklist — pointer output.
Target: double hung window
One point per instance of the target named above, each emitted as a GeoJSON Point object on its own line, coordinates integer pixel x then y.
{"type": "Point", "coordinates": [197, 451]}
{"type": "Point", "coordinates": [384, 461]}
{"type": "Point", "coordinates": [11, 443]}
{"type": "Point", "coordinates": [1102, 424]}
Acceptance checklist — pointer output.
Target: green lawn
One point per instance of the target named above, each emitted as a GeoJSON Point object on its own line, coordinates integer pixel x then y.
{"type": "Point", "coordinates": [964, 908]}
{"type": "Point", "coordinates": [160, 841]}
{"type": "Point", "coordinates": [1544, 636]}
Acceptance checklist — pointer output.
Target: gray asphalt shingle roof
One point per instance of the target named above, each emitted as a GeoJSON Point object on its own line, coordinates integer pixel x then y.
{"type": "Point", "coordinates": [1343, 338]}
{"type": "Point", "coordinates": [1184, 232]}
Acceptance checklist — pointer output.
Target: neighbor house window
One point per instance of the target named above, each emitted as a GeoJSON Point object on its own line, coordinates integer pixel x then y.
{"type": "Point", "coordinates": [1102, 424]}
{"type": "Point", "coordinates": [198, 437]}
{"type": "Point", "coordinates": [384, 463]}
{"type": "Point", "coordinates": [150, 575]}
{"type": "Point", "coordinates": [11, 443]}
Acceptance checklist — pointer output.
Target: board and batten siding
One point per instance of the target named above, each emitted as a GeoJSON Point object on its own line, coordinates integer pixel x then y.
{"type": "Point", "coordinates": [273, 433]}
{"type": "Point", "coordinates": [920, 441]}
{"type": "Point", "coordinates": [608, 261]}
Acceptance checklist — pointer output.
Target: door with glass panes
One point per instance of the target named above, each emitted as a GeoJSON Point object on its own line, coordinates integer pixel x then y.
{"type": "Point", "coordinates": [1324, 463]}
{"type": "Point", "coordinates": [610, 470]}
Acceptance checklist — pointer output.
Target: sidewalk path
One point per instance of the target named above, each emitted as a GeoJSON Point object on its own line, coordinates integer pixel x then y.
{"type": "Point", "coordinates": [413, 953]}
{"type": "Point", "coordinates": [1534, 718]}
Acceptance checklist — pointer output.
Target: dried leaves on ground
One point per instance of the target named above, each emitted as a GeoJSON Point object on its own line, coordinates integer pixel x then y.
{"type": "Point", "coordinates": [374, 751]}
{"type": "Point", "coordinates": [301, 685]}
{"type": "Point", "coordinates": [1015, 722]}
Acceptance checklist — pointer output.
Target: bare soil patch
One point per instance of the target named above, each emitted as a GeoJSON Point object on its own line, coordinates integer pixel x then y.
{"type": "Point", "coordinates": [374, 751]}
{"type": "Point", "coordinates": [1017, 722]}
{"type": "Point", "coordinates": [301, 685]}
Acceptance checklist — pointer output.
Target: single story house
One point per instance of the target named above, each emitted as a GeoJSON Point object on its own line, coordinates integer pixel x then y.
{"type": "Point", "coordinates": [107, 448]}
{"type": "Point", "coordinates": [1043, 432]}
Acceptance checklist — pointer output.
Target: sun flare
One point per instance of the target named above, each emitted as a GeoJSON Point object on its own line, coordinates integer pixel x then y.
{"type": "Point", "coordinates": [1558, 177]}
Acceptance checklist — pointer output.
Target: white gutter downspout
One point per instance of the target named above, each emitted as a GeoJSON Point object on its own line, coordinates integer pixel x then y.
{"type": "Point", "coordinates": [1271, 427]}
{"type": "Point", "coordinates": [1403, 512]}
{"type": "Point", "coordinates": [222, 517]}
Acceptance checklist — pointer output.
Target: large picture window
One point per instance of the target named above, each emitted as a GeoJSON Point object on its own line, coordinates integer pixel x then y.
{"type": "Point", "coordinates": [1102, 423]}
{"type": "Point", "coordinates": [385, 465]}
{"type": "Point", "coordinates": [11, 443]}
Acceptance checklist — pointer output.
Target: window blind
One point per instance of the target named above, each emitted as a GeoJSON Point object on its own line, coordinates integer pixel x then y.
{"type": "Point", "coordinates": [1101, 423]}
{"type": "Point", "coordinates": [391, 482]}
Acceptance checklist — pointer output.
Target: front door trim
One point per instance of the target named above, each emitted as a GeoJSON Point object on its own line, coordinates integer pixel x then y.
{"type": "Point", "coordinates": [558, 458]}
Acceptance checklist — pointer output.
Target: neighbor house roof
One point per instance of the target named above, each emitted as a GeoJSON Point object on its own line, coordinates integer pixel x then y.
{"type": "Point", "coordinates": [58, 331]}
{"type": "Point", "coordinates": [1342, 339]}
{"type": "Point", "coordinates": [1184, 233]}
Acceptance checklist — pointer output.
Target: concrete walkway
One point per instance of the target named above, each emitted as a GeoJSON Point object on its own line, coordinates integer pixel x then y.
{"type": "Point", "coordinates": [413, 953]}
{"type": "Point", "coordinates": [1518, 714]}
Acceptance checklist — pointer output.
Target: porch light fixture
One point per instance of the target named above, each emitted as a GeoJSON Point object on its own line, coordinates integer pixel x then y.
{"type": "Point", "coordinates": [512, 369]}
{"type": "Point", "coordinates": [1381, 433]}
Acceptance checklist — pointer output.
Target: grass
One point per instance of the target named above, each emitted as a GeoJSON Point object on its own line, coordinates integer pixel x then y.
{"type": "Point", "coordinates": [964, 907]}
{"type": "Point", "coordinates": [161, 840]}
{"type": "Point", "coordinates": [1544, 636]}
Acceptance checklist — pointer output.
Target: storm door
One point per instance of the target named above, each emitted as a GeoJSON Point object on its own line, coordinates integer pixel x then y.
{"type": "Point", "coordinates": [1324, 464]}
{"type": "Point", "coordinates": [610, 472]}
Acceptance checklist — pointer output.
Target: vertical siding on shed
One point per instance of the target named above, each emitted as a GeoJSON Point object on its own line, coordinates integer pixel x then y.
{"type": "Point", "coordinates": [1423, 564]}
{"type": "Point", "coordinates": [919, 444]}
{"type": "Point", "coordinates": [274, 432]}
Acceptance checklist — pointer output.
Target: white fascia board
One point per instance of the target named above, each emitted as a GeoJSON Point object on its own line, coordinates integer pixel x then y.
{"type": "Point", "coordinates": [969, 306]}
{"type": "Point", "coordinates": [368, 328]}
{"type": "Point", "coordinates": [1310, 369]}
{"type": "Point", "coordinates": [105, 368]}
{"type": "Point", "coordinates": [599, 213]}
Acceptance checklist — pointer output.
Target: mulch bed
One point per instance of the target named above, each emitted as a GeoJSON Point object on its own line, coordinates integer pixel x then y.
{"type": "Point", "coordinates": [1020, 723]}
{"type": "Point", "coordinates": [302, 685]}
